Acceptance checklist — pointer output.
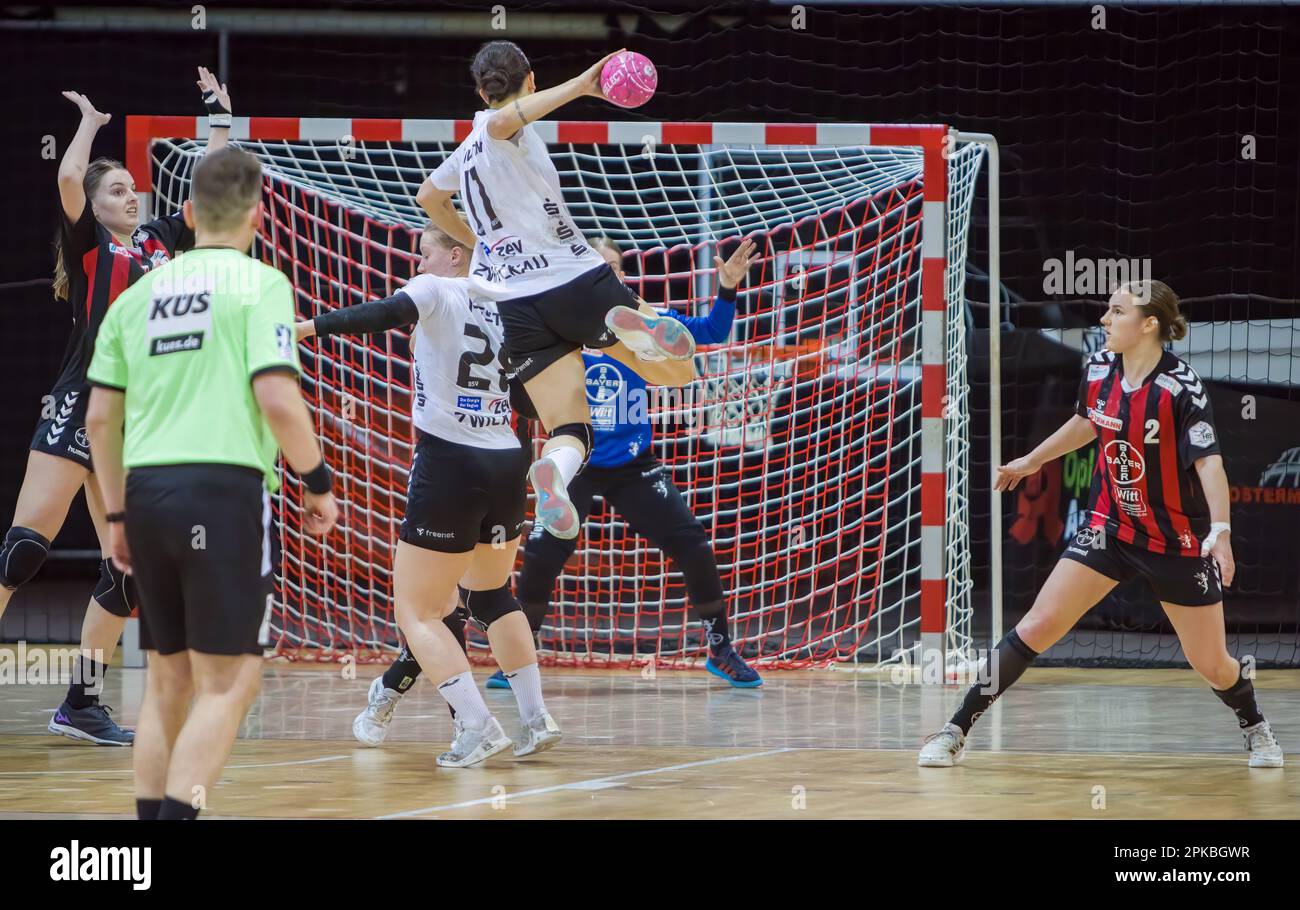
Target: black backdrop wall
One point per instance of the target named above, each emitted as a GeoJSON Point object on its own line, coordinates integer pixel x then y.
{"type": "Point", "coordinates": [1171, 132]}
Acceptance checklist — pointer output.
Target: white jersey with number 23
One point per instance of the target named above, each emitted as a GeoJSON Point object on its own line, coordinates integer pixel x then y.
{"type": "Point", "coordinates": [460, 392]}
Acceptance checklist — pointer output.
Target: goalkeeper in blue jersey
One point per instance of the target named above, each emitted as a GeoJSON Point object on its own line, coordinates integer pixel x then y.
{"type": "Point", "coordinates": [625, 473]}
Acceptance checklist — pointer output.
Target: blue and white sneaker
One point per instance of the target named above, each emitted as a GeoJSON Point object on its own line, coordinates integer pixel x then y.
{"type": "Point", "coordinates": [498, 681]}
{"type": "Point", "coordinates": [555, 513]}
{"type": "Point", "coordinates": [651, 337]}
{"type": "Point", "coordinates": [730, 666]}
{"type": "Point", "coordinates": [90, 724]}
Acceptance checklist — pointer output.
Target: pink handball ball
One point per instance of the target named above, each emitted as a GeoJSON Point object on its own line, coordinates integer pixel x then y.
{"type": "Point", "coordinates": [628, 79]}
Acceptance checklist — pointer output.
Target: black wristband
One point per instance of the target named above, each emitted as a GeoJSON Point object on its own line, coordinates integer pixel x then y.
{"type": "Point", "coordinates": [726, 293]}
{"type": "Point", "coordinates": [115, 516]}
{"type": "Point", "coordinates": [319, 480]}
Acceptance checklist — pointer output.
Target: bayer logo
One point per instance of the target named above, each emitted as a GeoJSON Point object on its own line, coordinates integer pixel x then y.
{"type": "Point", "coordinates": [603, 383]}
{"type": "Point", "coordinates": [1124, 461]}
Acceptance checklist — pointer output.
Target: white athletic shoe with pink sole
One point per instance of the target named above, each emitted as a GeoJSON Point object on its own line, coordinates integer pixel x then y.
{"type": "Point", "coordinates": [555, 513]}
{"type": "Point", "coordinates": [651, 337]}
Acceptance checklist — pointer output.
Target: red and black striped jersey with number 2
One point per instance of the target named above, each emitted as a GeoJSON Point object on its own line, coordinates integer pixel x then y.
{"type": "Point", "coordinates": [99, 268]}
{"type": "Point", "coordinates": [1145, 490]}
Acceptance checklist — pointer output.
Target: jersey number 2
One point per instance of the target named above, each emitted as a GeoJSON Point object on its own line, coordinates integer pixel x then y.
{"type": "Point", "coordinates": [481, 358]}
{"type": "Point", "coordinates": [1153, 432]}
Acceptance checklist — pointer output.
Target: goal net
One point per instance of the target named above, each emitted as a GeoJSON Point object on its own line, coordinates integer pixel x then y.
{"type": "Point", "coordinates": [824, 446]}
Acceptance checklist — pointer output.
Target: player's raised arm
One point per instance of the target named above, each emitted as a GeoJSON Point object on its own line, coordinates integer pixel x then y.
{"type": "Point", "coordinates": [216, 98]}
{"type": "Point", "coordinates": [532, 105]}
{"type": "Point", "coordinates": [72, 168]}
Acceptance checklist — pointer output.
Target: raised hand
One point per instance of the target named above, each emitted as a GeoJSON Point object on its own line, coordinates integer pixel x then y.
{"type": "Point", "coordinates": [208, 83]}
{"type": "Point", "coordinates": [734, 270]}
{"type": "Point", "coordinates": [87, 109]}
{"type": "Point", "coordinates": [589, 81]}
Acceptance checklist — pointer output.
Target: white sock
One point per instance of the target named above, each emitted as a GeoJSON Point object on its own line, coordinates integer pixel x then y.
{"type": "Point", "coordinates": [568, 459]}
{"type": "Point", "coordinates": [466, 699]}
{"type": "Point", "coordinates": [526, 683]}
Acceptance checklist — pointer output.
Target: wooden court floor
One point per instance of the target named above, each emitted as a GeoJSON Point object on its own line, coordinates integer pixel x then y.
{"type": "Point", "coordinates": [1062, 744]}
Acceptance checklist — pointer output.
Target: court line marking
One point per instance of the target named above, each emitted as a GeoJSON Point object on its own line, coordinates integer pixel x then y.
{"type": "Point", "coordinates": [274, 764]}
{"type": "Point", "coordinates": [591, 784]}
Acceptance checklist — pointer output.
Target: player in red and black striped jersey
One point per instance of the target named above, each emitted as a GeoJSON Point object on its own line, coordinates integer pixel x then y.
{"type": "Point", "coordinates": [101, 250]}
{"type": "Point", "coordinates": [1158, 510]}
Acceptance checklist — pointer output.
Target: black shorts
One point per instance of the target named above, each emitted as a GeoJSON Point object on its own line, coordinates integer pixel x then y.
{"type": "Point", "coordinates": [460, 496]}
{"type": "Point", "coordinates": [643, 493]}
{"type": "Point", "coordinates": [542, 328]}
{"type": "Point", "coordinates": [1186, 581]}
{"type": "Point", "coordinates": [200, 553]}
{"type": "Point", "coordinates": [62, 430]}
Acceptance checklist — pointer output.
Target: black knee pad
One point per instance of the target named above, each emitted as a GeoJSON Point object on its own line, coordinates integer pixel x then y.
{"type": "Point", "coordinates": [115, 592]}
{"type": "Point", "coordinates": [693, 555]}
{"type": "Point", "coordinates": [486, 607]}
{"type": "Point", "coordinates": [544, 559]}
{"type": "Point", "coordinates": [580, 431]}
{"type": "Point", "coordinates": [21, 557]}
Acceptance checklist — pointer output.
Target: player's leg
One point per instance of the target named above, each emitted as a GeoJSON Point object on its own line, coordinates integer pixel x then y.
{"type": "Point", "coordinates": [169, 688]}
{"type": "Point", "coordinates": [106, 614]}
{"type": "Point", "coordinates": [48, 487]}
{"type": "Point", "coordinates": [544, 558]}
{"type": "Point", "coordinates": [424, 581]}
{"type": "Point", "coordinates": [559, 394]}
{"type": "Point", "coordinates": [225, 686]}
{"type": "Point", "coordinates": [1070, 591]}
{"type": "Point", "coordinates": [370, 727]}
{"type": "Point", "coordinates": [1201, 632]}
{"type": "Point", "coordinates": [654, 508]}
{"type": "Point", "coordinates": [1191, 594]}
{"type": "Point", "coordinates": [490, 602]}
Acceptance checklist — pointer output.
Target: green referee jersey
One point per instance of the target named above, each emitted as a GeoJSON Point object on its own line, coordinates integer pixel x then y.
{"type": "Point", "coordinates": [184, 343]}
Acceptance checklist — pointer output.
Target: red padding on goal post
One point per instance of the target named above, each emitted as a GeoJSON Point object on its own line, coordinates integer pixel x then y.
{"type": "Point", "coordinates": [285, 128]}
{"type": "Point", "coordinates": [934, 380]}
{"type": "Point", "coordinates": [932, 287]}
{"type": "Point", "coordinates": [934, 592]}
{"type": "Point", "coordinates": [932, 499]}
{"type": "Point", "coordinates": [791, 134]}
{"type": "Point", "coordinates": [462, 130]}
{"type": "Point", "coordinates": [929, 138]}
{"type": "Point", "coordinates": [581, 132]}
{"type": "Point", "coordinates": [377, 130]}
{"type": "Point", "coordinates": [142, 130]}
{"type": "Point", "coordinates": [686, 133]}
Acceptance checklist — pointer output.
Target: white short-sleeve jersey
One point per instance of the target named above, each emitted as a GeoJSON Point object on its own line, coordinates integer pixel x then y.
{"type": "Point", "coordinates": [460, 391]}
{"type": "Point", "coordinates": [510, 191]}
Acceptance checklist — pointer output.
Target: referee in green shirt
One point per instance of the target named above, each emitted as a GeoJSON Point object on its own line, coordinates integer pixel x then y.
{"type": "Point", "coordinates": [198, 359]}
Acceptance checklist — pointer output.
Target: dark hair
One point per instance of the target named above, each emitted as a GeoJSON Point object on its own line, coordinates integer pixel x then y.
{"type": "Point", "coordinates": [1155, 298]}
{"type": "Point", "coordinates": [96, 171]}
{"type": "Point", "coordinates": [227, 184]}
{"type": "Point", "coordinates": [499, 69]}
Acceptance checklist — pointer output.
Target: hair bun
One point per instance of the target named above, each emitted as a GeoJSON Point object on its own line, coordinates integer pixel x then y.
{"type": "Point", "coordinates": [1178, 328]}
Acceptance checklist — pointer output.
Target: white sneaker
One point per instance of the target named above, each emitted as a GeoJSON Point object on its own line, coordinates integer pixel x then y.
{"type": "Point", "coordinates": [370, 727]}
{"type": "Point", "coordinates": [943, 749]}
{"type": "Point", "coordinates": [471, 746]}
{"type": "Point", "coordinates": [1262, 746]}
{"type": "Point", "coordinates": [651, 337]}
{"type": "Point", "coordinates": [555, 511]}
{"type": "Point", "coordinates": [538, 735]}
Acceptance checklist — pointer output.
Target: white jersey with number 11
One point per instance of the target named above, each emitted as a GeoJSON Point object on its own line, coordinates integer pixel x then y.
{"type": "Point", "coordinates": [510, 191]}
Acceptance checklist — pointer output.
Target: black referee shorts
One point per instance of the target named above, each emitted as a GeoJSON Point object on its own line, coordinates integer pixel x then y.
{"type": "Point", "coordinates": [542, 328]}
{"type": "Point", "coordinates": [643, 493]}
{"type": "Point", "coordinates": [200, 553]}
{"type": "Point", "coordinates": [1185, 581]}
{"type": "Point", "coordinates": [459, 496]}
